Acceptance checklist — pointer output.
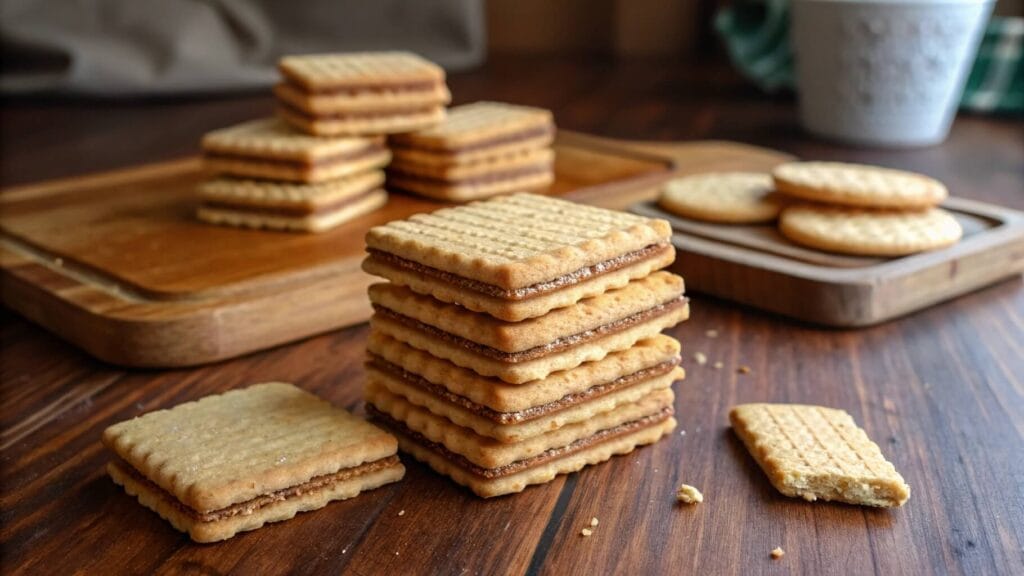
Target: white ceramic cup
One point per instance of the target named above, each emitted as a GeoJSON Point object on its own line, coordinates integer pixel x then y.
{"type": "Point", "coordinates": [884, 72]}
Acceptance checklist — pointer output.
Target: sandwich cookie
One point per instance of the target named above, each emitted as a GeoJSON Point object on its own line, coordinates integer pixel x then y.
{"type": "Point", "coordinates": [520, 256]}
{"type": "Point", "coordinates": [288, 206]}
{"type": "Point", "coordinates": [480, 150]}
{"type": "Point", "coordinates": [269, 149]}
{"type": "Point", "coordinates": [235, 461]}
{"type": "Point", "coordinates": [366, 93]}
{"type": "Point", "coordinates": [518, 352]}
{"type": "Point", "coordinates": [513, 413]}
{"type": "Point", "coordinates": [492, 468]}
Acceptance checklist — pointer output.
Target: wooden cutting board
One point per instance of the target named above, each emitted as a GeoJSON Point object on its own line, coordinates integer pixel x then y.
{"type": "Point", "coordinates": [117, 264]}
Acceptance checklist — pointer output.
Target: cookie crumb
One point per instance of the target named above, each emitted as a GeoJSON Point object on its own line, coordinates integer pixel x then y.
{"type": "Point", "coordinates": [586, 532]}
{"type": "Point", "coordinates": [401, 512]}
{"type": "Point", "coordinates": [718, 365]}
{"type": "Point", "coordinates": [688, 495]}
{"type": "Point", "coordinates": [700, 358]}
{"type": "Point", "coordinates": [777, 553]}
{"type": "Point", "coordinates": [711, 333]}
{"type": "Point", "coordinates": [743, 369]}
{"type": "Point", "coordinates": [593, 521]}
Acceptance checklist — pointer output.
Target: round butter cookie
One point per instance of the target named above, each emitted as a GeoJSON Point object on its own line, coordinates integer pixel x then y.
{"type": "Point", "coordinates": [869, 232]}
{"type": "Point", "coordinates": [857, 185]}
{"type": "Point", "coordinates": [724, 197]}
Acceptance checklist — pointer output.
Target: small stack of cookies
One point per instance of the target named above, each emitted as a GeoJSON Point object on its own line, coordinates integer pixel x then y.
{"type": "Point", "coordinates": [480, 150]}
{"type": "Point", "coordinates": [519, 337]}
{"type": "Point", "coordinates": [832, 206]}
{"type": "Point", "coordinates": [319, 164]}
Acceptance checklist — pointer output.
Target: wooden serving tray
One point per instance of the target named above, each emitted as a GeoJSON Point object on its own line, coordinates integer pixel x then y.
{"type": "Point", "coordinates": [757, 266]}
{"type": "Point", "coordinates": [117, 264]}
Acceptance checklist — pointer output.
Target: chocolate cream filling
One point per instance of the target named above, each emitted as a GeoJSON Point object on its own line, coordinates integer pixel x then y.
{"type": "Point", "coordinates": [489, 178]}
{"type": "Point", "coordinates": [530, 413]}
{"type": "Point", "coordinates": [251, 506]}
{"type": "Point", "coordinates": [400, 429]}
{"type": "Point", "coordinates": [399, 146]}
{"type": "Point", "coordinates": [370, 150]}
{"type": "Point", "coordinates": [360, 115]}
{"type": "Point", "coordinates": [357, 89]}
{"type": "Point", "coordinates": [515, 294]}
{"type": "Point", "coordinates": [557, 345]}
{"type": "Point", "coordinates": [287, 210]}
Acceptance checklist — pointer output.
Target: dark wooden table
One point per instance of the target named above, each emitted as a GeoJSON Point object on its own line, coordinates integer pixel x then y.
{"type": "Point", "coordinates": [942, 391]}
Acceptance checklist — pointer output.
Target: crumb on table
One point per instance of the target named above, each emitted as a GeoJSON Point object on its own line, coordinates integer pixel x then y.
{"type": "Point", "coordinates": [700, 358]}
{"type": "Point", "coordinates": [593, 521]}
{"type": "Point", "coordinates": [777, 553]}
{"type": "Point", "coordinates": [743, 369]}
{"type": "Point", "coordinates": [586, 532]}
{"type": "Point", "coordinates": [687, 494]}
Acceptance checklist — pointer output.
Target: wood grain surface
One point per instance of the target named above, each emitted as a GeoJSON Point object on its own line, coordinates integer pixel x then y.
{"type": "Point", "coordinates": [941, 391]}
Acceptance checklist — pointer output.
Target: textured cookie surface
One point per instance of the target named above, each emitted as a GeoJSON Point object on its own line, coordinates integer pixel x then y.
{"type": "Point", "coordinates": [518, 240]}
{"type": "Point", "coordinates": [376, 100]}
{"type": "Point", "coordinates": [818, 453]}
{"type": "Point", "coordinates": [502, 397]}
{"type": "Point", "coordinates": [464, 191]}
{"type": "Point", "coordinates": [638, 296]}
{"type": "Point", "coordinates": [869, 232]}
{"type": "Point", "coordinates": [390, 122]}
{"type": "Point", "coordinates": [513, 483]}
{"type": "Point", "coordinates": [273, 139]}
{"type": "Point", "coordinates": [263, 193]}
{"type": "Point", "coordinates": [858, 185]}
{"type": "Point", "coordinates": [726, 197]}
{"type": "Point", "coordinates": [488, 453]}
{"type": "Point", "coordinates": [532, 307]}
{"type": "Point", "coordinates": [233, 447]}
{"type": "Point", "coordinates": [318, 221]}
{"type": "Point", "coordinates": [505, 166]}
{"type": "Point", "coordinates": [358, 69]}
{"type": "Point", "coordinates": [530, 369]}
{"type": "Point", "coordinates": [477, 124]}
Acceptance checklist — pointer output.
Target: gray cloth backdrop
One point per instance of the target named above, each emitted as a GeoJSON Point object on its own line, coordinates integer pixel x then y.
{"type": "Point", "coordinates": [162, 47]}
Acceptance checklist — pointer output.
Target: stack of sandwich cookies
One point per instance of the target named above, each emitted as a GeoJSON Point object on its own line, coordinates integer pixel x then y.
{"type": "Point", "coordinates": [480, 150]}
{"type": "Point", "coordinates": [233, 462]}
{"type": "Point", "coordinates": [520, 256]}
{"type": "Point", "coordinates": [275, 177]}
{"type": "Point", "coordinates": [361, 93]}
{"type": "Point", "coordinates": [500, 404]}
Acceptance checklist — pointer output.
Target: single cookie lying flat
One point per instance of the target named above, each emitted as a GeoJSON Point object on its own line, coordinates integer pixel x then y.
{"type": "Point", "coordinates": [857, 185]}
{"type": "Point", "coordinates": [235, 461]}
{"type": "Point", "coordinates": [869, 232]}
{"type": "Point", "coordinates": [818, 453]}
{"type": "Point", "coordinates": [288, 206]}
{"type": "Point", "coordinates": [725, 197]}
{"type": "Point", "coordinates": [520, 256]}
{"type": "Point", "coordinates": [361, 93]}
{"type": "Point", "coordinates": [269, 149]}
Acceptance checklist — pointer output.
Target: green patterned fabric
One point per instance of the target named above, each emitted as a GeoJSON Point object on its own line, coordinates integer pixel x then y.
{"type": "Point", "coordinates": [756, 36]}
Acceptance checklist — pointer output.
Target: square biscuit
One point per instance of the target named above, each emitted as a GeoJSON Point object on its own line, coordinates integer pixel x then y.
{"type": "Point", "coordinates": [479, 125]}
{"type": "Point", "coordinates": [317, 220]}
{"type": "Point", "coordinates": [558, 329]}
{"type": "Point", "coordinates": [508, 246]}
{"type": "Point", "coordinates": [501, 397]}
{"type": "Point", "coordinates": [393, 98]}
{"type": "Point", "coordinates": [493, 457]}
{"type": "Point", "coordinates": [289, 195]}
{"type": "Point", "coordinates": [536, 179]}
{"type": "Point", "coordinates": [354, 70]}
{"type": "Point", "coordinates": [500, 167]}
{"type": "Point", "coordinates": [234, 461]}
{"type": "Point", "coordinates": [269, 149]}
{"type": "Point", "coordinates": [815, 453]}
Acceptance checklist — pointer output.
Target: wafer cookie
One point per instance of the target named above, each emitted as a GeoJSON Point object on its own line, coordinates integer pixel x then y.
{"type": "Point", "coordinates": [818, 453]}
{"type": "Point", "coordinates": [232, 462]}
